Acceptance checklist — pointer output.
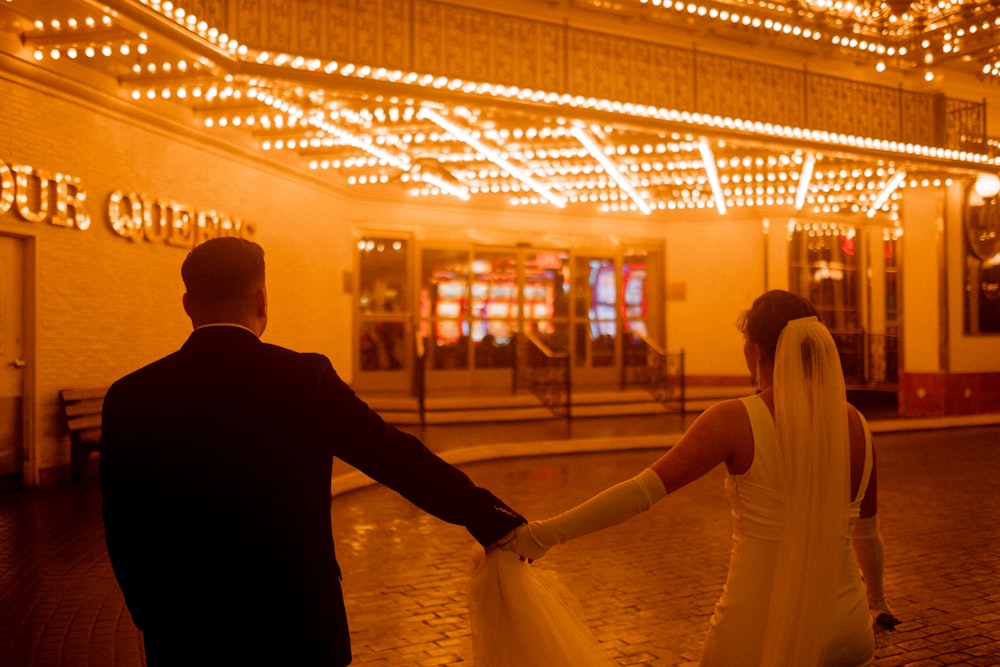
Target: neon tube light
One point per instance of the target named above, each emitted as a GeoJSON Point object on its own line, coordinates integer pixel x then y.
{"type": "Point", "coordinates": [713, 175]}
{"type": "Point", "coordinates": [804, 178]}
{"type": "Point", "coordinates": [610, 168]}
{"type": "Point", "coordinates": [887, 191]}
{"type": "Point", "coordinates": [492, 155]}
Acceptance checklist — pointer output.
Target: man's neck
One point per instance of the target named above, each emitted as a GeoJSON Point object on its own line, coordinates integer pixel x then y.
{"type": "Point", "coordinates": [226, 324]}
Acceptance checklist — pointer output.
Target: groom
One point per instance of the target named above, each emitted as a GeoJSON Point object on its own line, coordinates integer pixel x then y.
{"type": "Point", "coordinates": [215, 468]}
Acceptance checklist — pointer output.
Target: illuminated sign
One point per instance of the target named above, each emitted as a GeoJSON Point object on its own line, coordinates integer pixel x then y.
{"type": "Point", "coordinates": [40, 196]}
{"type": "Point", "coordinates": [37, 195]}
{"type": "Point", "coordinates": [137, 216]}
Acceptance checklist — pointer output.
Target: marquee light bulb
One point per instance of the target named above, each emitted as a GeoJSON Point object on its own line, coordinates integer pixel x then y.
{"type": "Point", "coordinates": [987, 185]}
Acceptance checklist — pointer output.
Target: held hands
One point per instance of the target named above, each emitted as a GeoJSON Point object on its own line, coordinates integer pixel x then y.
{"type": "Point", "coordinates": [609, 507]}
{"type": "Point", "coordinates": [529, 541]}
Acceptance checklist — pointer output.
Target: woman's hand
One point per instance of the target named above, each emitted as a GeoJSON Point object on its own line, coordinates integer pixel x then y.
{"type": "Point", "coordinates": [527, 541]}
{"type": "Point", "coordinates": [882, 613]}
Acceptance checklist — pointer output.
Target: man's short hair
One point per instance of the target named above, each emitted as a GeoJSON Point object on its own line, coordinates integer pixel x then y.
{"type": "Point", "coordinates": [223, 271]}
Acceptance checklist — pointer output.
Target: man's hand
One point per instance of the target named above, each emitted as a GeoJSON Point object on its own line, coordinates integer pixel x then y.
{"type": "Point", "coordinates": [526, 541]}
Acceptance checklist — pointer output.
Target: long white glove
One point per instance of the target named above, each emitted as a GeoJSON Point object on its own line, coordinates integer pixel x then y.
{"type": "Point", "coordinates": [610, 507]}
{"type": "Point", "coordinates": [867, 541]}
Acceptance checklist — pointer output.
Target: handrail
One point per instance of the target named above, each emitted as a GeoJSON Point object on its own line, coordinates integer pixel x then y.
{"type": "Point", "coordinates": [652, 344]}
{"type": "Point", "coordinates": [542, 347]}
{"type": "Point", "coordinates": [661, 373]}
{"type": "Point", "coordinates": [546, 373]}
{"type": "Point", "coordinates": [420, 374]}
{"type": "Point", "coordinates": [868, 359]}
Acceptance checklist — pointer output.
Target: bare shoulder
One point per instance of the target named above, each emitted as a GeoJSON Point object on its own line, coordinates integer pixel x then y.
{"type": "Point", "coordinates": [725, 413]}
{"type": "Point", "coordinates": [723, 421]}
{"type": "Point", "coordinates": [717, 436]}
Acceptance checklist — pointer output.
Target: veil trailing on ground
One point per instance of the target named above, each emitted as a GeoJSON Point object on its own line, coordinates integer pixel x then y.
{"type": "Point", "coordinates": [810, 406]}
{"type": "Point", "coordinates": [523, 616]}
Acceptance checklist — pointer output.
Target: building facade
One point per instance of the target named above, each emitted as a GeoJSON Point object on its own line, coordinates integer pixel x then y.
{"type": "Point", "coordinates": [441, 197]}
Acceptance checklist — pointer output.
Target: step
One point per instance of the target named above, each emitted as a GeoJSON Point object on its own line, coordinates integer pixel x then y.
{"type": "Point", "coordinates": [473, 408]}
{"type": "Point", "coordinates": [487, 415]}
{"type": "Point", "coordinates": [618, 409]}
{"type": "Point", "coordinates": [455, 402]}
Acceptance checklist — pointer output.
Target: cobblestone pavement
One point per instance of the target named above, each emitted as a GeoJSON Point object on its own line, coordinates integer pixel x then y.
{"type": "Point", "coordinates": [647, 586]}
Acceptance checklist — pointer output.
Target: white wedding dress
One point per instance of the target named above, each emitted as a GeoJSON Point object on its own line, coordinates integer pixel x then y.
{"type": "Point", "coordinates": [794, 596]}
{"type": "Point", "coordinates": [739, 626]}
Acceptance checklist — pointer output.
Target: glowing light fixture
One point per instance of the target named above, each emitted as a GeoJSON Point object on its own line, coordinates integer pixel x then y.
{"type": "Point", "coordinates": [987, 185]}
{"type": "Point", "coordinates": [708, 158]}
{"type": "Point", "coordinates": [887, 191]}
{"type": "Point", "coordinates": [492, 155]}
{"type": "Point", "coordinates": [432, 173]}
{"type": "Point", "coordinates": [802, 187]}
{"type": "Point", "coordinates": [610, 168]}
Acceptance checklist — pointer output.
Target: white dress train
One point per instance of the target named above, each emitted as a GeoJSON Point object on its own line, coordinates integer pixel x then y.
{"type": "Point", "coordinates": [523, 616]}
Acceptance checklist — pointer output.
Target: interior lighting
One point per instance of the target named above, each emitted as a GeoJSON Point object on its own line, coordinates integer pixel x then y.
{"type": "Point", "coordinates": [708, 159]}
{"type": "Point", "coordinates": [887, 191]}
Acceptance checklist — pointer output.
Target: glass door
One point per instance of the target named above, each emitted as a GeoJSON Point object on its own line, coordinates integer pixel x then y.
{"type": "Point", "coordinates": [474, 301]}
{"type": "Point", "coordinates": [596, 320]}
{"type": "Point", "coordinates": [850, 275]}
{"type": "Point", "coordinates": [385, 345]}
{"type": "Point", "coordinates": [618, 314]}
{"type": "Point", "coordinates": [496, 308]}
{"type": "Point", "coordinates": [545, 297]}
{"type": "Point", "coordinates": [445, 304]}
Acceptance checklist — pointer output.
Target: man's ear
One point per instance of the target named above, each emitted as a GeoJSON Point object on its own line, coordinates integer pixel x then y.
{"type": "Point", "coordinates": [187, 304]}
{"type": "Point", "coordinates": [262, 302]}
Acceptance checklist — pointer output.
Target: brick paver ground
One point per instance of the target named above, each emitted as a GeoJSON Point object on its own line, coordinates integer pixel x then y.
{"type": "Point", "coordinates": [647, 587]}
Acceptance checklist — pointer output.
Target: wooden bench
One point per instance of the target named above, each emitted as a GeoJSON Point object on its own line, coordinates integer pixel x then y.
{"type": "Point", "coordinates": [82, 412]}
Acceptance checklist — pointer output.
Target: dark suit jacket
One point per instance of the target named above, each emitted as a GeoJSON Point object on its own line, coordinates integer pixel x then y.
{"type": "Point", "coordinates": [215, 468]}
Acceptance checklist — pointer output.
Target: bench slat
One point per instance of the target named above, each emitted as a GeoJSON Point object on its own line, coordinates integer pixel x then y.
{"type": "Point", "coordinates": [82, 411]}
{"type": "Point", "coordinates": [88, 407]}
{"type": "Point", "coordinates": [71, 395]}
{"type": "Point", "coordinates": [86, 421]}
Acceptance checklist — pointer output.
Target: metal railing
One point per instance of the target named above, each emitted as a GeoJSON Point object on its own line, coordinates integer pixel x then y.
{"type": "Point", "coordinates": [544, 372]}
{"type": "Point", "coordinates": [868, 360]}
{"type": "Point", "coordinates": [645, 363]}
{"type": "Point", "coordinates": [419, 382]}
{"type": "Point", "coordinates": [587, 63]}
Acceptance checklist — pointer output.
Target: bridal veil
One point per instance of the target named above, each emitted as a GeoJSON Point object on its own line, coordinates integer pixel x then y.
{"type": "Point", "coordinates": [810, 405]}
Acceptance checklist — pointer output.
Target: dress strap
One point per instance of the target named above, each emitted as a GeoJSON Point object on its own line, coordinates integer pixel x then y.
{"type": "Point", "coordinates": [757, 411]}
{"type": "Point", "coordinates": [866, 472]}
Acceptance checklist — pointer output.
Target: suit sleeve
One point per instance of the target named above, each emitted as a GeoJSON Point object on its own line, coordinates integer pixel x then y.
{"type": "Point", "coordinates": [124, 525]}
{"type": "Point", "coordinates": [402, 462]}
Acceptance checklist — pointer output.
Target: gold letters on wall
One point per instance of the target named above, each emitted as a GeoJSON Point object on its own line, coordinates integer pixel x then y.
{"type": "Point", "coordinates": [37, 195]}
{"type": "Point", "coordinates": [138, 216]}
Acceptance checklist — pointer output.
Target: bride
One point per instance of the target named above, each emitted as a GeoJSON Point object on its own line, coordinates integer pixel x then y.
{"type": "Point", "coordinates": [805, 576]}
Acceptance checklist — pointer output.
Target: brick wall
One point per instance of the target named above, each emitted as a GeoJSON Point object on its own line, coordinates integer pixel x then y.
{"type": "Point", "coordinates": [104, 304]}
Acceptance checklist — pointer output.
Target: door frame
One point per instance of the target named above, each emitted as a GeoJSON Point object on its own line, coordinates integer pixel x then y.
{"type": "Point", "coordinates": [30, 471]}
{"type": "Point", "coordinates": [399, 380]}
